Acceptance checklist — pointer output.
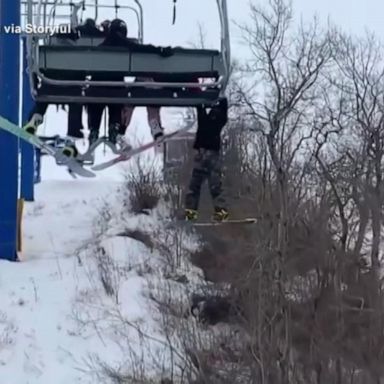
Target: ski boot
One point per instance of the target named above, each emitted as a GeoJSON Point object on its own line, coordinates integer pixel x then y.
{"type": "Point", "coordinates": [122, 144]}
{"type": "Point", "coordinates": [190, 215]}
{"type": "Point", "coordinates": [157, 132]}
{"type": "Point", "coordinates": [33, 124]}
{"type": "Point", "coordinates": [221, 214]}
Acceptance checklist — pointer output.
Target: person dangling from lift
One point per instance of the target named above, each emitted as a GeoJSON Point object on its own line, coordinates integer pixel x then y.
{"type": "Point", "coordinates": [208, 162]}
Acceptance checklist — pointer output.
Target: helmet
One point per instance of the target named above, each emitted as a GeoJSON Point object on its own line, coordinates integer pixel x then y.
{"type": "Point", "coordinates": [118, 27]}
{"type": "Point", "coordinates": [90, 23]}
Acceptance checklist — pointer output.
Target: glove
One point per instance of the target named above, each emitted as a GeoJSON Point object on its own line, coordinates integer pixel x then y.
{"type": "Point", "coordinates": [166, 52]}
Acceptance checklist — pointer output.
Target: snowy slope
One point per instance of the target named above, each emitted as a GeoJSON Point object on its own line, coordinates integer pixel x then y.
{"type": "Point", "coordinates": [57, 318]}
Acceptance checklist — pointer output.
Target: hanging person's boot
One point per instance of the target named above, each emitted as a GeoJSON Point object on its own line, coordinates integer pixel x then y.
{"type": "Point", "coordinates": [33, 124]}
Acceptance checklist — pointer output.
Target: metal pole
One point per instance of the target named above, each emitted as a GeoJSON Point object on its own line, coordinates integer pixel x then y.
{"type": "Point", "coordinates": [9, 108]}
{"type": "Point", "coordinates": [225, 40]}
{"type": "Point", "coordinates": [141, 30]}
{"type": "Point", "coordinates": [27, 150]}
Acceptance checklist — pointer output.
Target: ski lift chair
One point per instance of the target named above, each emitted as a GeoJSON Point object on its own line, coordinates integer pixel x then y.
{"type": "Point", "coordinates": [62, 72]}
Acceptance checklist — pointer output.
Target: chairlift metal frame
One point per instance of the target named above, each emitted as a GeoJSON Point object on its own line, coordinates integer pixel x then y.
{"type": "Point", "coordinates": [36, 8]}
{"type": "Point", "coordinates": [33, 9]}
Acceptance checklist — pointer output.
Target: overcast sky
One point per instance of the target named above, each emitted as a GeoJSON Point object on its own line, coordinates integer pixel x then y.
{"type": "Point", "coordinates": [352, 15]}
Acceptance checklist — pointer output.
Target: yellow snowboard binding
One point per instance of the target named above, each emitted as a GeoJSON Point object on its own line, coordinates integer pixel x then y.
{"type": "Point", "coordinates": [190, 214]}
{"type": "Point", "coordinates": [70, 151]}
{"type": "Point", "coordinates": [221, 214]}
{"type": "Point", "coordinates": [33, 124]}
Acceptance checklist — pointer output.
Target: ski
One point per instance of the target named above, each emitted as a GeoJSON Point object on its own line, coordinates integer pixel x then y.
{"type": "Point", "coordinates": [73, 165]}
{"type": "Point", "coordinates": [127, 154]}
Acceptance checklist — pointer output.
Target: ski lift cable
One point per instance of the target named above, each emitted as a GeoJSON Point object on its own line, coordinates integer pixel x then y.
{"type": "Point", "coordinates": [174, 12]}
{"type": "Point", "coordinates": [116, 9]}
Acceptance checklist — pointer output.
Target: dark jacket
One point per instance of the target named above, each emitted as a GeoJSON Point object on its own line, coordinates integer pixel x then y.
{"type": "Point", "coordinates": [120, 41]}
{"type": "Point", "coordinates": [210, 125]}
{"type": "Point", "coordinates": [89, 29]}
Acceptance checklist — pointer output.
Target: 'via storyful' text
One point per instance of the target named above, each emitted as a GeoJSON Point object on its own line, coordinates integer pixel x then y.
{"type": "Point", "coordinates": [36, 29]}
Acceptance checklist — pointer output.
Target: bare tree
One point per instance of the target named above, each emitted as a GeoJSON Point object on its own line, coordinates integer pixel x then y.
{"type": "Point", "coordinates": [360, 78]}
{"type": "Point", "coordinates": [280, 89]}
{"type": "Point", "coordinates": [287, 65]}
{"type": "Point", "coordinates": [304, 151]}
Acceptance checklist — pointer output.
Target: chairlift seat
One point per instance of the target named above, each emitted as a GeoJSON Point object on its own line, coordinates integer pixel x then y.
{"type": "Point", "coordinates": [63, 68]}
{"type": "Point", "coordinates": [89, 60]}
{"type": "Point", "coordinates": [74, 62]}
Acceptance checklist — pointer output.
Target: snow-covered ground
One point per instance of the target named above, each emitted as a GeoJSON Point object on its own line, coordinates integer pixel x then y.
{"type": "Point", "coordinates": [79, 296]}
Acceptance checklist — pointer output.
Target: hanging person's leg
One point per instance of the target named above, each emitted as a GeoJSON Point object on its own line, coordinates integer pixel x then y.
{"type": "Point", "coordinates": [199, 174]}
{"type": "Point", "coordinates": [215, 183]}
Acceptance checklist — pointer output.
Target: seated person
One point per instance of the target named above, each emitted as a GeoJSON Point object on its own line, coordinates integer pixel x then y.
{"type": "Point", "coordinates": [89, 29]}
{"type": "Point", "coordinates": [117, 37]}
{"type": "Point", "coordinates": [36, 116]}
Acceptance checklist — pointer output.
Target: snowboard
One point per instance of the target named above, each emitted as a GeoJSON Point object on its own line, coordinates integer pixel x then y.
{"type": "Point", "coordinates": [88, 156]}
{"type": "Point", "coordinates": [73, 166]}
{"type": "Point", "coordinates": [248, 220]}
{"type": "Point", "coordinates": [127, 154]}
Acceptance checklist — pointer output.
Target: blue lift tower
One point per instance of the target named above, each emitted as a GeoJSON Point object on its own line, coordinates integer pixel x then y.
{"type": "Point", "coordinates": [10, 13]}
